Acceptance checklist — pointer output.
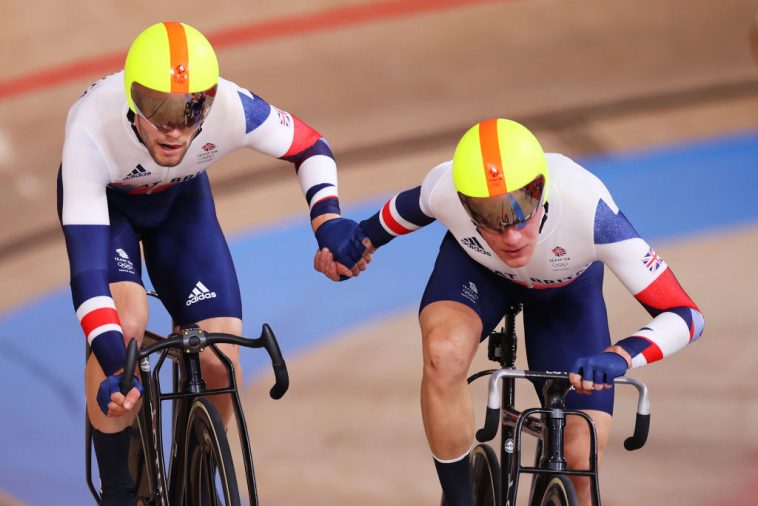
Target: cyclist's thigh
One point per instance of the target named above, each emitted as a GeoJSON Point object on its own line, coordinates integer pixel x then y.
{"type": "Point", "coordinates": [458, 278]}
{"type": "Point", "coordinates": [189, 261]}
{"type": "Point", "coordinates": [565, 323]}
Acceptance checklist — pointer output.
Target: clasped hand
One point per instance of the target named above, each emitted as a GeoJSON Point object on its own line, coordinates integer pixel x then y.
{"type": "Point", "coordinates": [344, 250]}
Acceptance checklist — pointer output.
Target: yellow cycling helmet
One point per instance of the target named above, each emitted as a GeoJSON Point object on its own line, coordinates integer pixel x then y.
{"type": "Point", "coordinates": [500, 173]}
{"type": "Point", "coordinates": [170, 76]}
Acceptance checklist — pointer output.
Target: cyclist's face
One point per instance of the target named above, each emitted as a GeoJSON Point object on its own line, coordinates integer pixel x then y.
{"type": "Point", "coordinates": [166, 148]}
{"type": "Point", "coordinates": [514, 245]}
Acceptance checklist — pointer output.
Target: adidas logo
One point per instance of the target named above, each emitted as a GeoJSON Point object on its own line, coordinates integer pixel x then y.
{"type": "Point", "coordinates": [474, 244]}
{"type": "Point", "coordinates": [200, 292]}
{"type": "Point", "coordinates": [139, 171]}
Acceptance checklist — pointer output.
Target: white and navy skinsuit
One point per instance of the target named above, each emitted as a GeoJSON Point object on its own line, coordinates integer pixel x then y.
{"type": "Point", "coordinates": [561, 285]}
{"type": "Point", "coordinates": [112, 195]}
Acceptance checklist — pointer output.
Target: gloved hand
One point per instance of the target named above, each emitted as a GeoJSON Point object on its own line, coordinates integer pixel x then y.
{"type": "Point", "coordinates": [343, 237]}
{"type": "Point", "coordinates": [110, 386]}
{"type": "Point", "coordinates": [597, 371]}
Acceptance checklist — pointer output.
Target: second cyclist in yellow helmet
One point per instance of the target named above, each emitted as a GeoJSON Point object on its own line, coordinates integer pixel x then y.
{"type": "Point", "coordinates": [499, 249]}
{"type": "Point", "coordinates": [500, 174]}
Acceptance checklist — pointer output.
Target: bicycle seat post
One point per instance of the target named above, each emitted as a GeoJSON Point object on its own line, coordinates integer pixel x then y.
{"type": "Point", "coordinates": [502, 345]}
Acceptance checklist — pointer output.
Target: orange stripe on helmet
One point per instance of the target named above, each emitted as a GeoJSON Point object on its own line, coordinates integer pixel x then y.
{"type": "Point", "coordinates": [177, 43]}
{"type": "Point", "coordinates": [492, 161]}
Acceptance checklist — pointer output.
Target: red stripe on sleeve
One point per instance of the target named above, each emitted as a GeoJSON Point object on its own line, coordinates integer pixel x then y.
{"type": "Point", "coordinates": [391, 222]}
{"type": "Point", "coordinates": [665, 293]}
{"type": "Point", "coordinates": [303, 138]}
{"type": "Point", "coordinates": [98, 317]}
{"type": "Point", "coordinates": [652, 353]}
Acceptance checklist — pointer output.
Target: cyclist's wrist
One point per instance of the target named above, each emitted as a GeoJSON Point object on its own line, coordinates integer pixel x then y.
{"type": "Point", "coordinates": [110, 351]}
{"type": "Point", "coordinates": [622, 352]}
{"type": "Point", "coordinates": [319, 220]}
{"type": "Point", "coordinates": [375, 232]}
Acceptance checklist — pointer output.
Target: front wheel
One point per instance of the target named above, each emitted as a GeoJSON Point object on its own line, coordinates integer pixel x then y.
{"type": "Point", "coordinates": [485, 476]}
{"type": "Point", "coordinates": [208, 468]}
{"type": "Point", "coordinates": [559, 491]}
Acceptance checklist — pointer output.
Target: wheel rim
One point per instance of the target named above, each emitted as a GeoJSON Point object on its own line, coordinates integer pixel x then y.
{"type": "Point", "coordinates": [206, 488]}
{"type": "Point", "coordinates": [557, 493]}
{"type": "Point", "coordinates": [484, 481]}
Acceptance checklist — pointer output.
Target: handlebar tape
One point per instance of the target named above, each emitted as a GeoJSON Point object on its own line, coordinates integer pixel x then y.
{"type": "Point", "coordinates": [126, 383]}
{"type": "Point", "coordinates": [489, 430]}
{"type": "Point", "coordinates": [277, 363]}
{"type": "Point", "coordinates": [641, 428]}
{"type": "Point", "coordinates": [282, 381]}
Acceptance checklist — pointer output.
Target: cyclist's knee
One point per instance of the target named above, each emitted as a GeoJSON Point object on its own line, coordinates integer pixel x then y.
{"type": "Point", "coordinates": [214, 370]}
{"type": "Point", "coordinates": [133, 326]}
{"type": "Point", "coordinates": [447, 355]}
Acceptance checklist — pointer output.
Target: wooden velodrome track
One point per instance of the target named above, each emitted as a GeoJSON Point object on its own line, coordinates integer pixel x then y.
{"type": "Point", "coordinates": [391, 85]}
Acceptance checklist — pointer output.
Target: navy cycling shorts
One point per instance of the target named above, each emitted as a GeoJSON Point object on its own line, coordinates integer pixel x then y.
{"type": "Point", "coordinates": [560, 324]}
{"type": "Point", "coordinates": [186, 254]}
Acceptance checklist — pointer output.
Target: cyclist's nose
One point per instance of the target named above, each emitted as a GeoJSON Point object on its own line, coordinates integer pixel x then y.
{"type": "Point", "coordinates": [175, 132]}
{"type": "Point", "coordinates": [511, 235]}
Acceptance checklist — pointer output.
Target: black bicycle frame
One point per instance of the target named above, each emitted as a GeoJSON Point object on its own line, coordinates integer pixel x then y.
{"type": "Point", "coordinates": [548, 429]}
{"type": "Point", "coordinates": [187, 385]}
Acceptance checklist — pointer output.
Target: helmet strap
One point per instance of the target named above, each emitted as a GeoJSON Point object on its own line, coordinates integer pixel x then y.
{"type": "Point", "coordinates": [130, 116]}
{"type": "Point", "coordinates": [544, 218]}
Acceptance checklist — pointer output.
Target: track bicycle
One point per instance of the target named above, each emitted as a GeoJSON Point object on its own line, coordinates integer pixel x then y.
{"type": "Point", "coordinates": [200, 471]}
{"type": "Point", "coordinates": [496, 480]}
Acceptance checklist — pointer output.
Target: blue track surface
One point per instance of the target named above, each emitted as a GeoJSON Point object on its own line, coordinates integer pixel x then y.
{"type": "Point", "coordinates": [670, 192]}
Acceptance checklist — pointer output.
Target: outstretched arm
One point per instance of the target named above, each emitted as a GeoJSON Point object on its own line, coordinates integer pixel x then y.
{"type": "Point", "coordinates": [400, 215]}
{"type": "Point", "coordinates": [283, 135]}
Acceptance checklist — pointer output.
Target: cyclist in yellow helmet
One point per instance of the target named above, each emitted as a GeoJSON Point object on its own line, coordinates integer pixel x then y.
{"type": "Point", "coordinates": [135, 155]}
{"type": "Point", "coordinates": [531, 228]}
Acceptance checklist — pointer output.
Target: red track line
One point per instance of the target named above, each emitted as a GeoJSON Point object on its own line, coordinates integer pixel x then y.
{"type": "Point", "coordinates": [294, 25]}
